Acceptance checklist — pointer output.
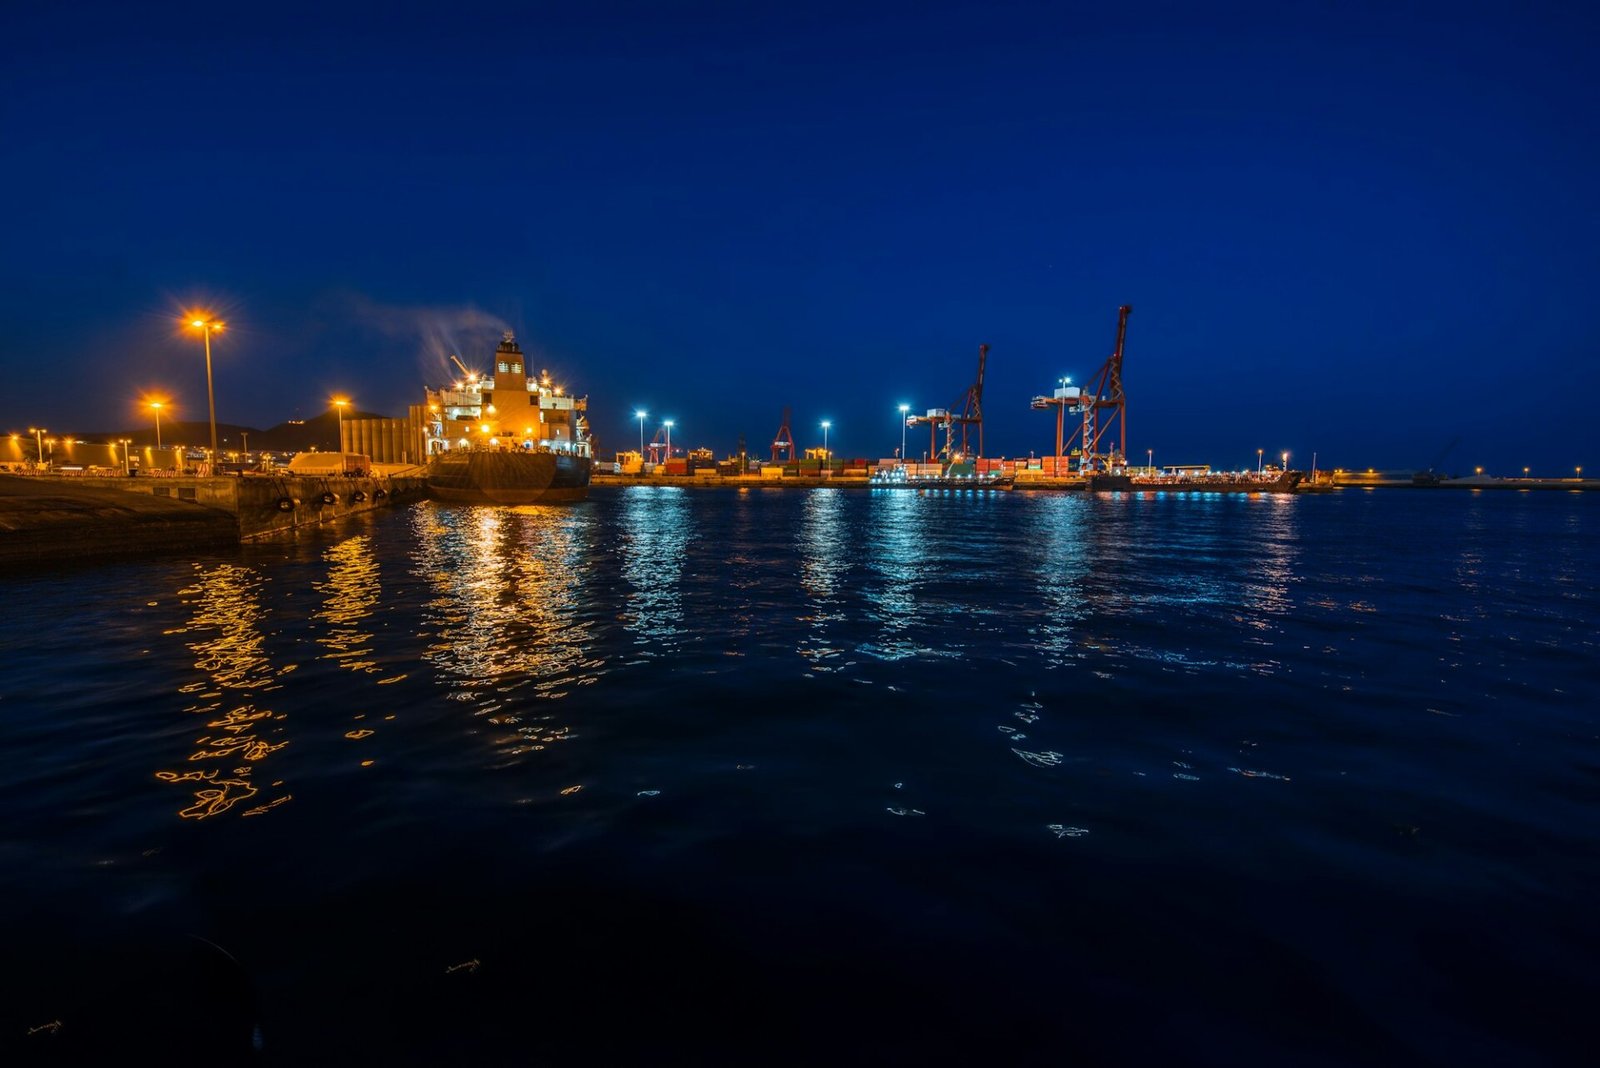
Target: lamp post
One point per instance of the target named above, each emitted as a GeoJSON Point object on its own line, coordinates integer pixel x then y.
{"type": "Point", "coordinates": [340, 404]}
{"type": "Point", "coordinates": [827, 461]}
{"type": "Point", "coordinates": [904, 408]}
{"type": "Point", "coordinates": [1149, 461]}
{"type": "Point", "coordinates": [38, 433]}
{"type": "Point", "coordinates": [668, 424]}
{"type": "Point", "coordinates": [1258, 461]}
{"type": "Point", "coordinates": [246, 435]}
{"type": "Point", "coordinates": [127, 468]}
{"type": "Point", "coordinates": [206, 325]}
{"type": "Point", "coordinates": [639, 415]}
{"type": "Point", "coordinates": [156, 406]}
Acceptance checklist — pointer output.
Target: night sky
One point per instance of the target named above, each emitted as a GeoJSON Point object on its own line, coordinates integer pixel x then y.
{"type": "Point", "coordinates": [1363, 233]}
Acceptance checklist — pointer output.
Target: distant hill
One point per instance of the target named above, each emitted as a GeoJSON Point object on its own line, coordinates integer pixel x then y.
{"type": "Point", "coordinates": [320, 432]}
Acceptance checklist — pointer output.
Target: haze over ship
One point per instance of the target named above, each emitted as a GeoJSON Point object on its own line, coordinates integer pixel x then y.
{"type": "Point", "coordinates": [506, 438]}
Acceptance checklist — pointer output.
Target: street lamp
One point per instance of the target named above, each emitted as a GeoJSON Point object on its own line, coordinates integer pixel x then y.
{"type": "Point", "coordinates": [206, 325]}
{"type": "Point", "coordinates": [1149, 461]}
{"type": "Point", "coordinates": [826, 459]}
{"type": "Point", "coordinates": [639, 415]}
{"type": "Point", "coordinates": [1258, 461]}
{"type": "Point", "coordinates": [156, 407]}
{"type": "Point", "coordinates": [341, 404]}
{"type": "Point", "coordinates": [127, 468]}
{"type": "Point", "coordinates": [38, 433]}
{"type": "Point", "coordinates": [668, 424]}
{"type": "Point", "coordinates": [904, 408]}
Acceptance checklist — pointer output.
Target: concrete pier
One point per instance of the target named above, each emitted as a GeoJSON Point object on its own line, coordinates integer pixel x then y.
{"type": "Point", "coordinates": [44, 517]}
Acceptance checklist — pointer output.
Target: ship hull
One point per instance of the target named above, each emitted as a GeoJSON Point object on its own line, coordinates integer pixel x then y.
{"type": "Point", "coordinates": [509, 477]}
{"type": "Point", "coordinates": [1288, 482]}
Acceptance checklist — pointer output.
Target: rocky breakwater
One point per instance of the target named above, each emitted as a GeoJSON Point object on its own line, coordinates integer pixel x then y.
{"type": "Point", "coordinates": [48, 519]}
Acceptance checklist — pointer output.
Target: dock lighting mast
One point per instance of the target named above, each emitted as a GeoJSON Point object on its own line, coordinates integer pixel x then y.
{"type": "Point", "coordinates": [207, 325]}
{"type": "Point", "coordinates": [827, 457]}
{"type": "Point", "coordinates": [639, 415]}
{"type": "Point", "coordinates": [904, 422]}
{"type": "Point", "coordinates": [668, 424]}
{"type": "Point", "coordinates": [156, 407]}
{"type": "Point", "coordinates": [38, 433]}
{"type": "Point", "coordinates": [783, 441]}
{"type": "Point", "coordinates": [339, 404]}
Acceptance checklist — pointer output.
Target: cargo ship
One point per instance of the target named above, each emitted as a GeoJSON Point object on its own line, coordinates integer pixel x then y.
{"type": "Point", "coordinates": [507, 437]}
{"type": "Point", "coordinates": [1201, 482]}
{"type": "Point", "coordinates": [961, 475]}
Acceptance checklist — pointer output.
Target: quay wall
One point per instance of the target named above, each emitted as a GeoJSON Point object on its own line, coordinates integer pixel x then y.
{"type": "Point", "coordinates": [266, 505]}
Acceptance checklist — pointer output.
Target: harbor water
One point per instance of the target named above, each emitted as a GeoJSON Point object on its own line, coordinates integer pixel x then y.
{"type": "Point", "coordinates": [843, 776]}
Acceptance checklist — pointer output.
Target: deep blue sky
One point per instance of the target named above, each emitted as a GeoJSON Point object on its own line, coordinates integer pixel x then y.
{"type": "Point", "coordinates": [1357, 232]}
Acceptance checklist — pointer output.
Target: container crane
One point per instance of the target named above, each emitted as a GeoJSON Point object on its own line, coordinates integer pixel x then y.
{"type": "Point", "coordinates": [783, 441]}
{"type": "Point", "coordinates": [966, 412]}
{"type": "Point", "coordinates": [1102, 405]}
{"type": "Point", "coordinates": [657, 449]}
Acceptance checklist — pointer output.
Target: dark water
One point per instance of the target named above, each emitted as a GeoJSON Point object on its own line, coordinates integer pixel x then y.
{"type": "Point", "coordinates": [826, 777]}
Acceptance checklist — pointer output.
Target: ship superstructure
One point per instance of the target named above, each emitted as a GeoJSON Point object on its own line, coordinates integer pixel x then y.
{"type": "Point", "coordinates": [507, 437]}
{"type": "Point", "coordinates": [506, 411]}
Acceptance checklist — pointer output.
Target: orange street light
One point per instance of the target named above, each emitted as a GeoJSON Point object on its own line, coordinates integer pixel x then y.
{"type": "Point", "coordinates": [156, 407]}
{"type": "Point", "coordinates": [341, 404]}
{"type": "Point", "coordinates": [207, 325]}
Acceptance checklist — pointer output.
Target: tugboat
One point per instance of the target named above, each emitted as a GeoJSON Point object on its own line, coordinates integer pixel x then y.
{"type": "Point", "coordinates": [507, 438]}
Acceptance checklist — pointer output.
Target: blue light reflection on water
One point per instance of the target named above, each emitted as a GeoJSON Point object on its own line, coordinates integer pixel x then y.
{"type": "Point", "coordinates": [1084, 742]}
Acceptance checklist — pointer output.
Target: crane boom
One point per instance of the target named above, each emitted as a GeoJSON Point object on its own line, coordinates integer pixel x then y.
{"type": "Point", "coordinates": [456, 360]}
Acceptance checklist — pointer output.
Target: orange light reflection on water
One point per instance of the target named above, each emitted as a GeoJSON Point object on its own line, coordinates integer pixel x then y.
{"type": "Point", "coordinates": [228, 645]}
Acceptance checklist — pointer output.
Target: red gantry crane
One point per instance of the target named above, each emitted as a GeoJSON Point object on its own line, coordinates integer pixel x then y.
{"type": "Point", "coordinates": [783, 441]}
{"type": "Point", "coordinates": [656, 451]}
{"type": "Point", "coordinates": [1103, 406]}
{"type": "Point", "coordinates": [966, 412]}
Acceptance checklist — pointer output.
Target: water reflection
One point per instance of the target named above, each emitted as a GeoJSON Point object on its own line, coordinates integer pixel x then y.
{"type": "Point", "coordinates": [349, 596]}
{"type": "Point", "coordinates": [507, 630]}
{"type": "Point", "coordinates": [823, 564]}
{"type": "Point", "coordinates": [1271, 568]}
{"type": "Point", "coordinates": [900, 561]}
{"type": "Point", "coordinates": [1061, 529]}
{"type": "Point", "coordinates": [738, 617]}
{"type": "Point", "coordinates": [657, 526]}
{"type": "Point", "coordinates": [228, 645]}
